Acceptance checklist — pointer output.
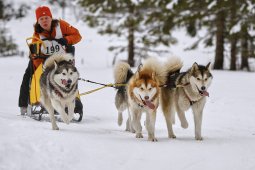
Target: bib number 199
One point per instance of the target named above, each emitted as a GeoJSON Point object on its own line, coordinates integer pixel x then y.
{"type": "Point", "coordinates": [52, 49]}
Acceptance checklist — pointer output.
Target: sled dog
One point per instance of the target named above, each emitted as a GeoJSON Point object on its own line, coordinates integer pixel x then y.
{"type": "Point", "coordinates": [141, 94]}
{"type": "Point", "coordinates": [183, 91]}
{"type": "Point", "coordinates": [59, 87]}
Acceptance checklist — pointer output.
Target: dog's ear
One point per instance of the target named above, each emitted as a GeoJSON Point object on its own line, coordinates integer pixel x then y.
{"type": "Point", "coordinates": [71, 61]}
{"type": "Point", "coordinates": [208, 66]}
{"type": "Point", "coordinates": [194, 67]}
{"type": "Point", "coordinates": [55, 64]}
{"type": "Point", "coordinates": [139, 68]}
{"type": "Point", "coordinates": [137, 75]}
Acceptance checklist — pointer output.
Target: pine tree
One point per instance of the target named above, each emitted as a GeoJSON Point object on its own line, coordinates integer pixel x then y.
{"type": "Point", "coordinates": [136, 22]}
{"type": "Point", "coordinates": [7, 12]}
{"type": "Point", "coordinates": [219, 18]}
{"type": "Point", "coordinates": [233, 36]}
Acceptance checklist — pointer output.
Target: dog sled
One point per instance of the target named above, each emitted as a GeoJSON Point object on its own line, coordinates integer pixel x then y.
{"type": "Point", "coordinates": [35, 110]}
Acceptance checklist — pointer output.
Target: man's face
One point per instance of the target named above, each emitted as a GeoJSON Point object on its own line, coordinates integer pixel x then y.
{"type": "Point", "coordinates": [45, 22]}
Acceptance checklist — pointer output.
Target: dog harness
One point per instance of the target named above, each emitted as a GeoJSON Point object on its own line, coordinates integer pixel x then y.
{"type": "Point", "coordinates": [191, 102]}
{"type": "Point", "coordinates": [57, 92]}
{"type": "Point", "coordinates": [140, 105]}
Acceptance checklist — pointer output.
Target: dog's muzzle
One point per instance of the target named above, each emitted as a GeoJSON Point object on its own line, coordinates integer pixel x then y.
{"type": "Point", "coordinates": [147, 102]}
{"type": "Point", "coordinates": [203, 91]}
{"type": "Point", "coordinates": [66, 83]}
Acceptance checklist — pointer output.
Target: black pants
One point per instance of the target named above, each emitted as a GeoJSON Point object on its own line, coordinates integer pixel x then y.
{"type": "Point", "coordinates": [24, 88]}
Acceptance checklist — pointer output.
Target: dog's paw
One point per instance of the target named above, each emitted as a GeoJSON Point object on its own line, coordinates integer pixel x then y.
{"type": "Point", "coordinates": [130, 130]}
{"type": "Point", "coordinates": [70, 118]}
{"type": "Point", "coordinates": [153, 139]}
{"type": "Point", "coordinates": [171, 136]}
{"type": "Point", "coordinates": [185, 125]}
{"type": "Point", "coordinates": [55, 128]}
{"type": "Point", "coordinates": [66, 120]}
{"type": "Point", "coordinates": [139, 135]}
{"type": "Point", "coordinates": [199, 138]}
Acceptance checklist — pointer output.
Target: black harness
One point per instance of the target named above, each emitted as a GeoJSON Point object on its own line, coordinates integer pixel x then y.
{"type": "Point", "coordinates": [55, 90]}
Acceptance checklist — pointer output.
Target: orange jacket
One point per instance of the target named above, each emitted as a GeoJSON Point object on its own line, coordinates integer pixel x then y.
{"type": "Point", "coordinates": [70, 33]}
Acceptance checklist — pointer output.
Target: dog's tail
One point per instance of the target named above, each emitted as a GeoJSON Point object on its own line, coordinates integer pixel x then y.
{"type": "Point", "coordinates": [171, 65]}
{"type": "Point", "coordinates": [122, 72]}
{"type": "Point", "coordinates": [58, 57]}
{"type": "Point", "coordinates": [154, 65]}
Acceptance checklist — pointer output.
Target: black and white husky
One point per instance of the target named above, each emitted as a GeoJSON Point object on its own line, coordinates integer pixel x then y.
{"type": "Point", "coordinates": [59, 87]}
{"type": "Point", "coordinates": [183, 91]}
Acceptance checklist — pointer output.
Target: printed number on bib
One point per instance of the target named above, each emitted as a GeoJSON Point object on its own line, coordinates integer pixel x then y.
{"type": "Point", "coordinates": [52, 49]}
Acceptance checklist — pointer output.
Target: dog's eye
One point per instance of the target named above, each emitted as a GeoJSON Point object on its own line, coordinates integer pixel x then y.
{"type": "Point", "coordinates": [150, 89]}
{"type": "Point", "coordinates": [64, 74]}
{"type": "Point", "coordinates": [198, 78]}
{"type": "Point", "coordinates": [71, 73]}
{"type": "Point", "coordinates": [205, 79]}
{"type": "Point", "coordinates": [141, 88]}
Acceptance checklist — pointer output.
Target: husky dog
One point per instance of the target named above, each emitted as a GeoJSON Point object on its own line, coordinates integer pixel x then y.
{"type": "Point", "coordinates": [59, 87]}
{"type": "Point", "coordinates": [183, 91]}
{"type": "Point", "coordinates": [141, 94]}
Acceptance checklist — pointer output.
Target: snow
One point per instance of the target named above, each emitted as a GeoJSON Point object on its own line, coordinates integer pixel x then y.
{"type": "Point", "coordinates": [99, 143]}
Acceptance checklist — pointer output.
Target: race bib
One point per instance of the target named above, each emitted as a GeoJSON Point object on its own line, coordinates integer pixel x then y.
{"type": "Point", "coordinates": [52, 47]}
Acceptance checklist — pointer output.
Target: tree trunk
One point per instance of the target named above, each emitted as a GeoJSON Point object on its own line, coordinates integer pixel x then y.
{"type": "Point", "coordinates": [131, 38]}
{"type": "Point", "coordinates": [131, 46]}
{"type": "Point", "coordinates": [244, 46]}
{"type": "Point", "coordinates": [1, 9]}
{"type": "Point", "coordinates": [252, 48]}
{"type": "Point", "coordinates": [233, 52]}
{"type": "Point", "coordinates": [219, 54]}
{"type": "Point", "coordinates": [233, 36]}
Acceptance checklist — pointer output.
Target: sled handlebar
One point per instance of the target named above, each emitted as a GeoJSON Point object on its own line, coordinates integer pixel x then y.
{"type": "Point", "coordinates": [36, 44]}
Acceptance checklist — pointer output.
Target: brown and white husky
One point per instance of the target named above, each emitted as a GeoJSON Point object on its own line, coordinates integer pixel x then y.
{"type": "Point", "coordinates": [141, 94]}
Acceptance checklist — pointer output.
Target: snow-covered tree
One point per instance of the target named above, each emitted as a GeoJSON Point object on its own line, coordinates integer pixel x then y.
{"type": "Point", "coordinates": [134, 22]}
{"type": "Point", "coordinates": [7, 12]}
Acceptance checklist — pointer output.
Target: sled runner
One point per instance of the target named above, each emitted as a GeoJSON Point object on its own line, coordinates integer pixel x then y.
{"type": "Point", "coordinates": [35, 109]}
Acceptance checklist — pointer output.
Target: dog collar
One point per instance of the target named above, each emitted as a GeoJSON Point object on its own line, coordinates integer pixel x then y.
{"type": "Point", "coordinates": [191, 102]}
{"type": "Point", "coordinates": [149, 105]}
{"type": "Point", "coordinates": [140, 105]}
{"type": "Point", "coordinates": [58, 93]}
{"type": "Point", "coordinates": [55, 90]}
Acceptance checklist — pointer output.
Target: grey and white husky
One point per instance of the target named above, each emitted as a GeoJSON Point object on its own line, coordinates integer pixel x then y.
{"type": "Point", "coordinates": [183, 91]}
{"type": "Point", "coordinates": [59, 87]}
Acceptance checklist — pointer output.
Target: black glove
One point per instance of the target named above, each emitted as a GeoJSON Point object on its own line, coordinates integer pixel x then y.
{"type": "Point", "coordinates": [62, 41]}
{"type": "Point", "coordinates": [32, 48]}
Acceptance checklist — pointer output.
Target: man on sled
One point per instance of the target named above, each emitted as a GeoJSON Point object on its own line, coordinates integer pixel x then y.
{"type": "Point", "coordinates": [57, 36]}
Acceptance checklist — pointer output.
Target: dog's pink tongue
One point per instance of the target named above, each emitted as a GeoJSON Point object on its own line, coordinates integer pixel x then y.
{"type": "Point", "coordinates": [205, 93]}
{"type": "Point", "coordinates": [149, 104]}
{"type": "Point", "coordinates": [64, 82]}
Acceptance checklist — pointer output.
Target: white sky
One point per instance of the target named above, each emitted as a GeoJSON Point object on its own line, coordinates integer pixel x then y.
{"type": "Point", "coordinates": [98, 143]}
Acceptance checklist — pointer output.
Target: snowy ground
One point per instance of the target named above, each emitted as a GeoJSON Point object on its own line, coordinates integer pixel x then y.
{"type": "Point", "coordinates": [99, 143]}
